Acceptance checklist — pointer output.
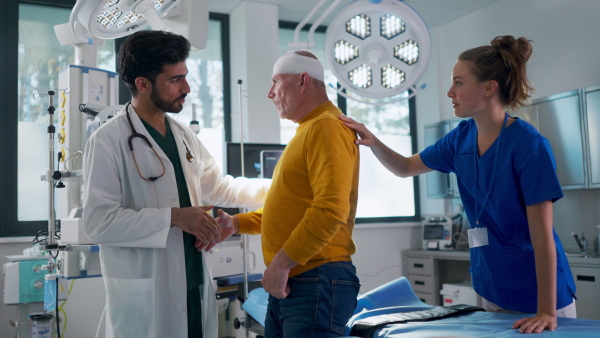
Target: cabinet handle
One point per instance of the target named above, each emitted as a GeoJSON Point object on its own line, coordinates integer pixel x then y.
{"type": "Point", "coordinates": [586, 278]}
{"type": "Point", "coordinates": [418, 282]}
{"type": "Point", "coordinates": [418, 265]}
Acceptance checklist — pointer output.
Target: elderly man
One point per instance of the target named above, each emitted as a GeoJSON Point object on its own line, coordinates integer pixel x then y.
{"type": "Point", "coordinates": [308, 218]}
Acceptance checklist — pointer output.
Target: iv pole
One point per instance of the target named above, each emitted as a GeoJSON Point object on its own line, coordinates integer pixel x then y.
{"type": "Point", "coordinates": [244, 236]}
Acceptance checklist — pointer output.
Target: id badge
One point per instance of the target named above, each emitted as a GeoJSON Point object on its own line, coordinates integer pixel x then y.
{"type": "Point", "coordinates": [478, 237]}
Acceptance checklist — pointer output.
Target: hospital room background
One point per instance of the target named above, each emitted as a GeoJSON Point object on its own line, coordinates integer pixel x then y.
{"type": "Point", "coordinates": [244, 40]}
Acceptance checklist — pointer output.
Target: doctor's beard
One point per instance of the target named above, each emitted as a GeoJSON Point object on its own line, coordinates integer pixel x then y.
{"type": "Point", "coordinates": [165, 105]}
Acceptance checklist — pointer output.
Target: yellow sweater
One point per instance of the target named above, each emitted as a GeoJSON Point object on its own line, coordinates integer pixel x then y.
{"type": "Point", "coordinates": [311, 206]}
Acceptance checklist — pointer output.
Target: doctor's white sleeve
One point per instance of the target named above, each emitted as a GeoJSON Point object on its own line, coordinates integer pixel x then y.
{"type": "Point", "coordinates": [228, 191]}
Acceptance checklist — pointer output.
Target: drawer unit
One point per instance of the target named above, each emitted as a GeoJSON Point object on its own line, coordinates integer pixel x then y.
{"type": "Point", "coordinates": [428, 270]}
{"type": "Point", "coordinates": [422, 283]}
{"type": "Point", "coordinates": [420, 266]}
{"type": "Point", "coordinates": [427, 298]}
{"type": "Point", "coordinates": [587, 281]}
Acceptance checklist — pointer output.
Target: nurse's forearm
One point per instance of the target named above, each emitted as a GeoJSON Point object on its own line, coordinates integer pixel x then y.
{"type": "Point", "coordinates": [545, 262]}
{"type": "Point", "coordinates": [539, 217]}
{"type": "Point", "coordinates": [399, 165]}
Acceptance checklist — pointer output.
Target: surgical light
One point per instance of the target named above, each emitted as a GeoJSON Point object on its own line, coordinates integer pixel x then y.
{"type": "Point", "coordinates": [345, 52]}
{"type": "Point", "coordinates": [391, 77]}
{"type": "Point", "coordinates": [361, 77]}
{"type": "Point", "coordinates": [407, 52]}
{"type": "Point", "coordinates": [391, 26]}
{"type": "Point", "coordinates": [377, 49]}
{"type": "Point", "coordinates": [359, 26]}
{"type": "Point", "coordinates": [109, 19]}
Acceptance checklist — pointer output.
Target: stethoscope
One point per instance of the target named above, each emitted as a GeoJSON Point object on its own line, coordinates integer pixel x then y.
{"type": "Point", "coordinates": [188, 154]}
{"type": "Point", "coordinates": [135, 134]}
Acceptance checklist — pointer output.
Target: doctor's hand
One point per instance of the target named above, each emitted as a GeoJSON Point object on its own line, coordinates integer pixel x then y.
{"type": "Point", "coordinates": [536, 324]}
{"type": "Point", "coordinates": [228, 225]}
{"type": "Point", "coordinates": [366, 137]}
{"type": "Point", "coordinates": [275, 277]}
{"type": "Point", "coordinates": [196, 221]}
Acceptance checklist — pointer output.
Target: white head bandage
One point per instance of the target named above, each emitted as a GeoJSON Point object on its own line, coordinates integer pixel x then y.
{"type": "Point", "coordinates": [292, 63]}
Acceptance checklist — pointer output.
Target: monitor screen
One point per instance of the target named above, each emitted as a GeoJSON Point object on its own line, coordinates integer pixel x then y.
{"type": "Point", "coordinates": [268, 161]}
{"type": "Point", "coordinates": [433, 232]}
{"type": "Point", "coordinates": [253, 157]}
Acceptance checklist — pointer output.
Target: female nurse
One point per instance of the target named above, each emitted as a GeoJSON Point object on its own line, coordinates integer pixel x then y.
{"type": "Point", "coordinates": [507, 181]}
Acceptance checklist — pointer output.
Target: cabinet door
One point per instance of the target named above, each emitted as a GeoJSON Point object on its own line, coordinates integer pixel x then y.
{"type": "Point", "coordinates": [592, 99]}
{"type": "Point", "coordinates": [438, 184]}
{"type": "Point", "coordinates": [587, 281]}
{"type": "Point", "coordinates": [560, 122]}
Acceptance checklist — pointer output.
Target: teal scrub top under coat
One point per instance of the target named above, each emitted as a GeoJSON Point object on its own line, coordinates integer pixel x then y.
{"type": "Point", "coordinates": [193, 258]}
{"type": "Point", "coordinates": [503, 271]}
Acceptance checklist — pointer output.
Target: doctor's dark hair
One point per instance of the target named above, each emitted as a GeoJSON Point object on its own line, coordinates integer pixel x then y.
{"type": "Point", "coordinates": [144, 54]}
{"type": "Point", "coordinates": [504, 61]}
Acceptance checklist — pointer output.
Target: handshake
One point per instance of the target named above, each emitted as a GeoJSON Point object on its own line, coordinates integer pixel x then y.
{"type": "Point", "coordinates": [208, 231]}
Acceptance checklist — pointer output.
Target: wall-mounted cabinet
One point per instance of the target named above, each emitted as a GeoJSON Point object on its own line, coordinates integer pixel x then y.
{"type": "Point", "coordinates": [592, 128]}
{"type": "Point", "coordinates": [440, 185]}
{"type": "Point", "coordinates": [571, 123]}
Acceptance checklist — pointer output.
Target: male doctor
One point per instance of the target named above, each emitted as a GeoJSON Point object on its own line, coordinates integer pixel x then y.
{"type": "Point", "coordinates": [146, 177]}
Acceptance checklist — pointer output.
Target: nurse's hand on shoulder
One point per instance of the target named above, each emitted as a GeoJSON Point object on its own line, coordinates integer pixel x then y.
{"type": "Point", "coordinates": [536, 324]}
{"type": "Point", "coordinates": [366, 137]}
{"type": "Point", "coordinates": [196, 221]}
{"type": "Point", "coordinates": [228, 226]}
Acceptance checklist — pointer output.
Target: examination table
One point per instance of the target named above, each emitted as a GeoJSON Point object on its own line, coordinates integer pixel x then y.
{"type": "Point", "coordinates": [397, 297]}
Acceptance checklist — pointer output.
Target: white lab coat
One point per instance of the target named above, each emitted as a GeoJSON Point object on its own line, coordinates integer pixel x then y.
{"type": "Point", "coordinates": [142, 257]}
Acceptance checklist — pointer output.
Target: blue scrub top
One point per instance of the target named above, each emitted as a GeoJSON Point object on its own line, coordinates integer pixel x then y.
{"type": "Point", "coordinates": [503, 271]}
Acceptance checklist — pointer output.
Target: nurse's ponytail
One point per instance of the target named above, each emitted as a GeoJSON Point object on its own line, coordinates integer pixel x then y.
{"type": "Point", "coordinates": [504, 61]}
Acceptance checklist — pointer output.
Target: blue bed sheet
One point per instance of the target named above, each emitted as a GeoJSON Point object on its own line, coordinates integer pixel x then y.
{"type": "Point", "coordinates": [398, 296]}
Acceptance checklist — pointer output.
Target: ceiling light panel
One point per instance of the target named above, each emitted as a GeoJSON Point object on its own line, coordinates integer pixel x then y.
{"type": "Point", "coordinates": [361, 76]}
{"type": "Point", "coordinates": [391, 26]}
{"type": "Point", "coordinates": [345, 52]}
{"type": "Point", "coordinates": [407, 52]}
{"type": "Point", "coordinates": [391, 77]}
{"type": "Point", "coordinates": [359, 26]}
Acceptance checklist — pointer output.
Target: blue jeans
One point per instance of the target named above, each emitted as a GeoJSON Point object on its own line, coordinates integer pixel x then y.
{"type": "Point", "coordinates": [320, 303]}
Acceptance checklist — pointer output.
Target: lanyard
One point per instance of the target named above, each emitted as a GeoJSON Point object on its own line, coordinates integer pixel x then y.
{"type": "Point", "coordinates": [476, 152]}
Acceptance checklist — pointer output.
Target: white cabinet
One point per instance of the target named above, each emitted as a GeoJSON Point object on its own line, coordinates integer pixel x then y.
{"type": "Point", "coordinates": [571, 123]}
{"type": "Point", "coordinates": [560, 121]}
{"type": "Point", "coordinates": [428, 270]}
{"type": "Point", "coordinates": [592, 129]}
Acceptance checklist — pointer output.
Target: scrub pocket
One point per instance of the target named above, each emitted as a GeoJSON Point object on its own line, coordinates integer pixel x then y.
{"type": "Point", "coordinates": [130, 306]}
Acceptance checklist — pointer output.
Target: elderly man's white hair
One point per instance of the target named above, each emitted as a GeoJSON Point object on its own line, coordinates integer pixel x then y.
{"type": "Point", "coordinates": [294, 62]}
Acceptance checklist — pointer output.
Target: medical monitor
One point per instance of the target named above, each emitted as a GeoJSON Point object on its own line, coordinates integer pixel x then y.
{"type": "Point", "coordinates": [268, 161]}
{"type": "Point", "coordinates": [256, 156]}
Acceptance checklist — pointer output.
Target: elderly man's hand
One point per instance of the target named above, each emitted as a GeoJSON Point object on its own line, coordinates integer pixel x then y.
{"type": "Point", "coordinates": [228, 226]}
{"type": "Point", "coordinates": [276, 276]}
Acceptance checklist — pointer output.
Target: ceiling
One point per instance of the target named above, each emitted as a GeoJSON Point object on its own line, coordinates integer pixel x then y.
{"type": "Point", "coordinates": [434, 12]}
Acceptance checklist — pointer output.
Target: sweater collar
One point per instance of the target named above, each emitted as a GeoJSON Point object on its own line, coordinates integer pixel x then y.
{"type": "Point", "coordinates": [316, 112]}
